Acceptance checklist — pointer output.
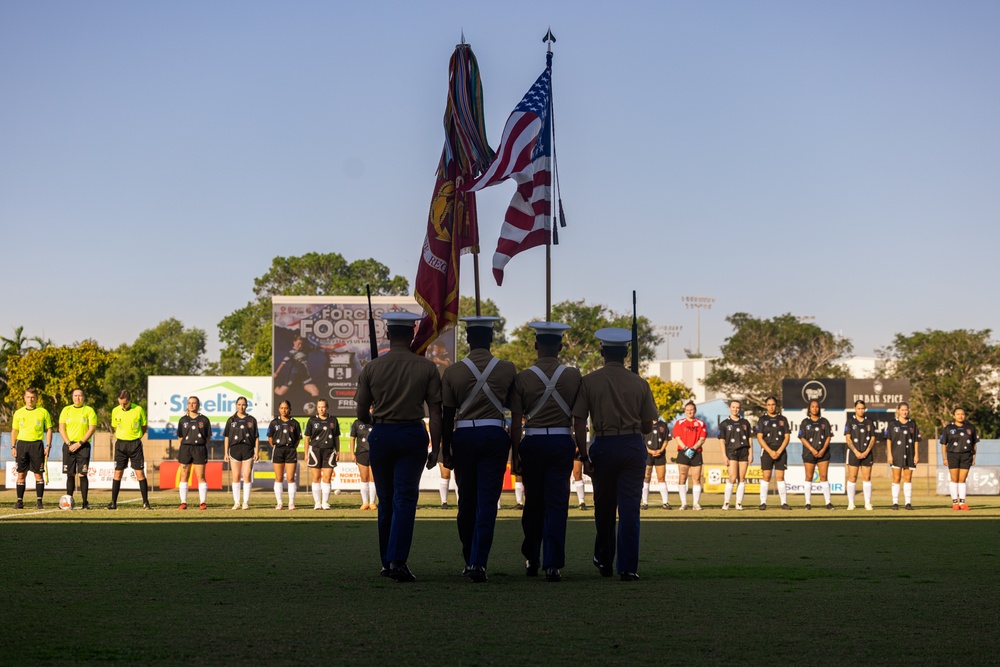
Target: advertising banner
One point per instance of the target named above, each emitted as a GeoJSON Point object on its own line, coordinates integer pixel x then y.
{"type": "Point", "coordinates": [263, 475]}
{"type": "Point", "coordinates": [321, 344]}
{"type": "Point", "coordinates": [670, 472]}
{"type": "Point", "coordinates": [795, 480]}
{"type": "Point", "coordinates": [982, 481]}
{"type": "Point", "coordinates": [168, 397]}
{"type": "Point", "coordinates": [717, 476]}
{"type": "Point", "coordinates": [99, 475]}
{"type": "Point", "coordinates": [170, 475]}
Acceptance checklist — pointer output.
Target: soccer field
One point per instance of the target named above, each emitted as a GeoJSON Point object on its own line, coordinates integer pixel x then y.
{"type": "Point", "coordinates": [260, 586]}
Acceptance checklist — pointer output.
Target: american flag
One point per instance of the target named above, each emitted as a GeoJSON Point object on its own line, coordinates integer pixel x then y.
{"type": "Point", "coordinates": [525, 154]}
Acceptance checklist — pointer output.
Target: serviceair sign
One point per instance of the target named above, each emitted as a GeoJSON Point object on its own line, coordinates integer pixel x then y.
{"type": "Point", "coordinates": [168, 396]}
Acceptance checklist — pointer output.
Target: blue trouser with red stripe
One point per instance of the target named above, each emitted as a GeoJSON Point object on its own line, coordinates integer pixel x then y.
{"type": "Point", "coordinates": [398, 453]}
{"type": "Point", "coordinates": [480, 457]}
{"type": "Point", "coordinates": [619, 468]}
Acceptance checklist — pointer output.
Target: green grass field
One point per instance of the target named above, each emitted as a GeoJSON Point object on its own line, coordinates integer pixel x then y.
{"type": "Point", "coordinates": [267, 587]}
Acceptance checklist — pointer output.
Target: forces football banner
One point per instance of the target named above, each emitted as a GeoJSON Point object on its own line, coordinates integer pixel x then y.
{"type": "Point", "coordinates": [321, 344]}
{"type": "Point", "coordinates": [168, 396]}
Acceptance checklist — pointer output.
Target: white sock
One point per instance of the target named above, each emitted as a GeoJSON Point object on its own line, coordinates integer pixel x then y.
{"type": "Point", "coordinates": [953, 487]}
{"type": "Point", "coordinates": [664, 496]}
{"type": "Point", "coordinates": [782, 492]}
{"type": "Point", "coordinates": [443, 490]}
{"type": "Point", "coordinates": [317, 492]}
{"type": "Point", "coordinates": [696, 493]}
{"type": "Point", "coordinates": [277, 491]}
{"type": "Point", "coordinates": [183, 489]}
{"type": "Point", "coordinates": [519, 492]}
{"type": "Point", "coordinates": [852, 490]}
{"type": "Point", "coordinates": [728, 495]}
{"type": "Point", "coordinates": [364, 493]}
{"type": "Point", "coordinates": [740, 490]}
{"type": "Point", "coordinates": [202, 491]}
{"type": "Point", "coordinates": [324, 488]}
{"type": "Point", "coordinates": [826, 492]}
{"type": "Point", "coordinates": [867, 488]}
{"type": "Point", "coordinates": [579, 492]}
{"type": "Point", "coordinates": [372, 496]}
{"type": "Point", "coordinates": [907, 492]}
{"type": "Point", "coordinates": [684, 494]}
{"type": "Point", "coordinates": [961, 491]}
{"type": "Point", "coordinates": [292, 488]}
{"type": "Point", "coordinates": [763, 491]}
{"type": "Point", "coordinates": [808, 492]}
{"type": "Point", "coordinates": [645, 493]}
{"type": "Point", "coordinates": [895, 493]}
{"type": "Point", "coordinates": [236, 492]}
{"type": "Point", "coordinates": [247, 486]}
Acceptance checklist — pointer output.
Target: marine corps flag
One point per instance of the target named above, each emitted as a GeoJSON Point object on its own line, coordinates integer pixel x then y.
{"type": "Point", "coordinates": [452, 225]}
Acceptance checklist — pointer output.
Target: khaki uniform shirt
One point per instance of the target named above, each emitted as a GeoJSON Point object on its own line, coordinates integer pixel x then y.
{"type": "Point", "coordinates": [458, 382]}
{"type": "Point", "coordinates": [616, 399]}
{"type": "Point", "coordinates": [397, 385]}
{"type": "Point", "coordinates": [528, 388]}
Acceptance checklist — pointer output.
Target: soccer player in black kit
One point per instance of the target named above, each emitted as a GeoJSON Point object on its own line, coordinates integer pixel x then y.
{"type": "Point", "coordinates": [322, 444]}
{"type": "Point", "coordinates": [773, 434]}
{"type": "Point", "coordinates": [901, 440]}
{"type": "Point", "coordinates": [859, 432]}
{"type": "Point", "coordinates": [958, 448]}
{"type": "Point", "coordinates": [815, 433]}
{"type": "Point", "coordinates": [284, 435]}
{"type": "Point", "coordinates": [735, 433]}
{"type": "Point", "coordinates": [194, 432]}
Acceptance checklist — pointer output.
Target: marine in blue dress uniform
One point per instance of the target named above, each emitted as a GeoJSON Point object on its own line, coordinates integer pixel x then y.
{"type": "Point", "coordinates": [396, 387]}
{"type": "Point", "coordinates": [543, 397]}
{"type": "Point", "coordinates": [621, 408]}
{"type": "Point", "coordinates": [474, 441]}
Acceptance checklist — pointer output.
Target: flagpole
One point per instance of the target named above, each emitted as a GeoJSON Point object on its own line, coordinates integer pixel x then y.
{"type": "Point", "coordinates": [549, 39]}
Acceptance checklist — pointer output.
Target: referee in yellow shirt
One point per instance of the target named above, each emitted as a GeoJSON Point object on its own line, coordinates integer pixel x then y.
{"type": "Point", "coordinates": [128, 421]}
{"type": "Point", "coordinates": [77, 423]}
{"type": "Point", "coordinates": [28, 427]}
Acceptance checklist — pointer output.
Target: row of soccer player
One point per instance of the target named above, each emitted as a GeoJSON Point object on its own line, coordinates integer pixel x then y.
{"type": "Point", "coordinates": [773, 433]}
{"type": "Point", "coordinates": [31, 444]}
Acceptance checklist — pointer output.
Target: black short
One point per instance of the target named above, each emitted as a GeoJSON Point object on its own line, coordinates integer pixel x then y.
{"type": "Point", "coordinates": [78, 462]}
{"type": "Point", "coordinates": [660, 460]}
{"type": "Point", "coordinates": [902, 457]}
{"type": "Point", "coordinates": [322, 458]}
{"type": "Point", "coordinates": [241, 452]}
{"type": "Point", "coordinates": [738, 454]}
{"type": "Point", "coordinates": [780, 463]}
{"type": "Point", "coordinates": [196, 454]}
{"type": "Point", "coordinates": [694, 462]}
{"type": "Point", "coordinates": [30, 456]}
{"type": "Point", "coordinates": [807, 456]}
{"type": "Point", "coordinates": [362, 458]}
{"type": "Point", "coordinates": [129, 451]}
{"type": "Point", "coordinates": [282, 454]}
{"type": "Point", "coordinates": [855, 462]}
{"type": "Point", "coordinates": [960, 460]}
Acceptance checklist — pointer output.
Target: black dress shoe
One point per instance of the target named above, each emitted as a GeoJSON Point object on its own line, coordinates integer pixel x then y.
{"type": "Point", "coordinates": [467, 570]}
{"type": "Point", "coordinates": [384, 572]}
{"type": "Point", "coordinates": [400, 573]}
{"type": "Point", "coordinates": [530, 569]}
{"type": "Point", "coordinates": [605, 570]}
{"type": "Point", "coordinates": [552, 574]}
{"type": "Point", "coordinates": [629, 576]}
{"type": "Point", "coordinates": [478, 575]}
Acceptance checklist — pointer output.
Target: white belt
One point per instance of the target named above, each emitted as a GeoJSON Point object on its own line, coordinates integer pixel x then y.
{"type": "Point", "coordinates": [469, 423]}
{"type": "Point", "coordinates": [551, 430]}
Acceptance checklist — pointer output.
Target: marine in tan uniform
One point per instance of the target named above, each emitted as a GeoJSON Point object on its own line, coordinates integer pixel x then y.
{"type": "Point", "coordinates": [543, 397]}
{"type": "Point", "coordinates": [621, 408]}
{"type": "Point", "coordinates": [396, 387]}
{"type": "Point", "coordinates": [474, 440]}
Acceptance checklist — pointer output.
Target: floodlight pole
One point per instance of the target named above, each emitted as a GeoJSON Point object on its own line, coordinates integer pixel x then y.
{"type": "Point", "coordinates": [698, 303]}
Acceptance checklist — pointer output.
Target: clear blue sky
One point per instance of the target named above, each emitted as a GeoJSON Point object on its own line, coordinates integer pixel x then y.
{"type": "Point", "coordinates": [833, 159]}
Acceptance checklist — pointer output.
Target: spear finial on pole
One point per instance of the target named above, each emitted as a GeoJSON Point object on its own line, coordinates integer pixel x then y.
{"type": "Point", "coordinates": [549, 39]}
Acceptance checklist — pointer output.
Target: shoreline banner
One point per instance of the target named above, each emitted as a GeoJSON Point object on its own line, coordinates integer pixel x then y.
{"type": "Point", "coordinates": [168, 397]}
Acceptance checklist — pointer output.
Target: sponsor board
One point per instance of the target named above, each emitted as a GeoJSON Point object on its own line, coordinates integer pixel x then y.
{"type": "Point", "coordinates": [168, 397]}
{"type": "Point", "coordinates": [346, 477]}
{"type": "Point", "coordinates": [263, 475]}
{"type": "Point", "coordinates": [170, 475]}
{"type": "Point", "coordinates": [982, 481]}
{"type": "Point", "coordinates": [671, 473]}
{"type": "Point", "coordinates": [795, 480]}
{"type": "Point", "coordinates": [321, 344]}
{"type": "Point", "coordinates": [100, 475]}
{"type": "Point", "coordinates": [715, 478]}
